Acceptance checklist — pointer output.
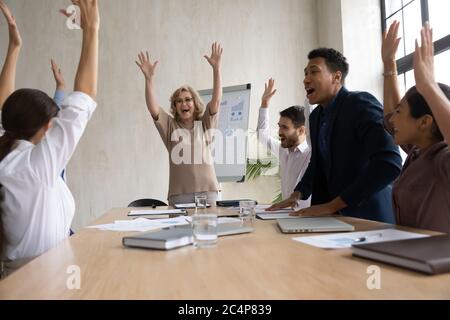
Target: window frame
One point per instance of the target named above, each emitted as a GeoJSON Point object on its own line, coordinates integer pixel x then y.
{"type": "Point", "coordinates": [405, 64]}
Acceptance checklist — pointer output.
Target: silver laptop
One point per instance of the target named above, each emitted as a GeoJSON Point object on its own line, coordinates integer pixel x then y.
{"type": "Point", "coordinates": [324, 224]}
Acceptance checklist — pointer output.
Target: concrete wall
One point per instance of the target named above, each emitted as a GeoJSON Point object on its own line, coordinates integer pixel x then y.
{"type": "Point", "coordinates": [121, 157]}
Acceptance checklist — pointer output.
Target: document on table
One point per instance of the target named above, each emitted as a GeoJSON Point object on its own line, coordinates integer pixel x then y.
{"type": "Point", "coordinates": [274, 215]}
{"type": "Point", "coordinates": [141, 224]}
{"type": "Point", "coordinates": [188, 205]}
{"type": "Point", "coordinates": [155, 212]}
{"type": "Point", "coordinates": [261, 213]}
{"type": "Point", "coordinates": [346, 240]}
{"type": "Point", "coordinates": [220, 220]}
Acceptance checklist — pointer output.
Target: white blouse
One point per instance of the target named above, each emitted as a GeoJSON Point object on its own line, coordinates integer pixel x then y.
{"type": "Point", "coordinates": [38, 207]}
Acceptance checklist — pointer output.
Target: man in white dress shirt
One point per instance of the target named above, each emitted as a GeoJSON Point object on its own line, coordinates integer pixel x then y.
{"type": "Point", "coordinates": [292, 149]}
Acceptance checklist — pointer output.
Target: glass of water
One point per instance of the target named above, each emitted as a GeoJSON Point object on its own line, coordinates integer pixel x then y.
{"type": "Point", "coordinates": [247, 213]}
{"type": "Point", "coordinates": [204, 227]}
{"type": "Point", "coordinates": [201, 201]}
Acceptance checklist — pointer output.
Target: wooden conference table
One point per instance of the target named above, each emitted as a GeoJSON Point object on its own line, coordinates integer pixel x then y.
{"type": "Point", "coordinates": [265, 264]}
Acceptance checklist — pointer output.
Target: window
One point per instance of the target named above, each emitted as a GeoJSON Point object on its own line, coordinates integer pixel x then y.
{"type": "Point", "coordinates": [412, 14]}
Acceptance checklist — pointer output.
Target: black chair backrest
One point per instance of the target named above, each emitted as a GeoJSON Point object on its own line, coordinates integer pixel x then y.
{"type": "Point", "coordinates": [147, 203]}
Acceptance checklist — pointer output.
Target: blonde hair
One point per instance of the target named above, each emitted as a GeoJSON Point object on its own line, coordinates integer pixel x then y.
{"type": "Point", "coordinates": [198, 103]}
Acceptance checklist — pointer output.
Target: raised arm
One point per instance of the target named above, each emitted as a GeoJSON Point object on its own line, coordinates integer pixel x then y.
{"type": "Point", "coordinates": [269, 92]}
{"type": "Point", "coordinates": [215, 61]}
{"type": "Point", "coordinates": [263, 129]}
{"type": "Point", "coordinates": [391, 95]}
{"type": "Point", "coordinates": [57, 74]}
{"type": "Point", "coordinates": [148, 69]}
{"type": "Point", "coordinates": [426, 83]}
{"type": "Point", "coordinates": [59, 95]}
{"type": "Point", "coordinates": [87, 73]}
{"type": "Point", "coordinates": [8, 74]}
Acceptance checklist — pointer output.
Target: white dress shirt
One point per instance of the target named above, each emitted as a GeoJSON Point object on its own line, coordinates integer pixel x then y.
{"type": "Point", "coordinates": [293, 164]}
{"type": "Point", "coordinates": [38, 207]}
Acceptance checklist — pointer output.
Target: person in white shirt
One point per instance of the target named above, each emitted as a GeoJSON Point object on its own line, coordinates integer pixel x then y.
{"type": "Point", "coordinates": [36, 206]}
{"type": "Point", "coordinates": [292, 149]}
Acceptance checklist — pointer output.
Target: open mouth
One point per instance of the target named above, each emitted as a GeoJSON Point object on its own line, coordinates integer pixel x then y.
{"type": "Point", "coordinates": [309, 91]}
{"type": "Point", "coordinates": [185, 110]}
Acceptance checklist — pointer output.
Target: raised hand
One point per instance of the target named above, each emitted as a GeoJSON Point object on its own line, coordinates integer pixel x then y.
{"type": "Point", "coordinates": [390, 43]}
{"type": "Point", "coordinates": [147, 68]}
{"type": "Point", "coordinates": [57, 74]}
{"type": "Point", "coordinates": [424, 60]}
{"type": "Point", "coordinates": [269, 92]}
{"type": "Point", "coordinates": [89, 15]}
{"type": "Point", "coordinates": [216, 56]}
{"type": "Point", "coordinates": [87, 73]}
{"type": "Point", "coordinates": [391, 89]}
{"type": "Point", "coordinates": [15, 39]}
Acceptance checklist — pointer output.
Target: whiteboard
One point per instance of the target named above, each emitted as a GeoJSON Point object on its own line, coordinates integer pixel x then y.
{"type": "Point", "coordinates": [230, 142]}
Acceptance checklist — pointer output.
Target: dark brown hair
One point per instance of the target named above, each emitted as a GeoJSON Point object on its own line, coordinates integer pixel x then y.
{"type": "Point", "coordinates": [418, 108]}
{"type": "Point", "coordinates": [296, 114]}
{"type": "Point", "coordinates": [24, 113]}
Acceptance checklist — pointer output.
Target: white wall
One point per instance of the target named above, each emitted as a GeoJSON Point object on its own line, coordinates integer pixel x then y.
{"type": "Point", "coordinates": [361, 25]}
{"type": "Point", "coordinates": [354, 28]}
{"type": "Point", "coordinates": [329, 24]}
{"type": "Point", "coordinates": [121, 157]}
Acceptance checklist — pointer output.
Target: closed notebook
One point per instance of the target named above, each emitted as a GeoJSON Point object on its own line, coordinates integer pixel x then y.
{"type": "Point", "coordinates": [429, 255]}
{"type": "Point", "coordinates": [164, 239]}
{"type": "Point", "coordinates": [175, 237]}
{"type": "Point", "coordinates": [231, 203]}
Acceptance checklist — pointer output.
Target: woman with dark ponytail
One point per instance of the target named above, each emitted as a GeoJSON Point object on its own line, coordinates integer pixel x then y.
{"type": "Point", "coordinates": [7, 85]}
{"type": "Point", "coordinates": [36, 207]}
{"type": "Point", "coordinates": [420, 123]}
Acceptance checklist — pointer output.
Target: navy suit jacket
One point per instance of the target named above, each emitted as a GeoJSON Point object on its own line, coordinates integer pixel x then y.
{"type": "Point", "coordinates": [363, 159]}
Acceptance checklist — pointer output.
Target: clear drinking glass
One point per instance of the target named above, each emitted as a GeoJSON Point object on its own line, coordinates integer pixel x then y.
{"type": "Point", "coordinates": [204, 227]}
{"type": "Point", "coordinates": [201, 201]}
{"type": "Point", "coordinates": [247, 213]}
{"type": "Point", "coordinates": [204, 224]}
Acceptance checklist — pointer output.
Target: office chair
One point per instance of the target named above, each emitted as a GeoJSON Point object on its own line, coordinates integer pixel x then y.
{"type": "Point", "coordinates": [147, 203]}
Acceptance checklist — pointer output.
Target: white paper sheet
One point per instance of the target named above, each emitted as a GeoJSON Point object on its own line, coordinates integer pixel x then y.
{"type": "Point", "coordinates": [141, 224]}
{"type": "Point", "coordinates": [185, 205]}
{"type": "Point", "coordinates": [346, 240]}
{"type": "Point", "coordinates": [220, 220]}
{"type": "Point", "coordinates": [155, 212]}
{"type": "Point", "coordinates": [275, 215]}
{"type": "Point", "coordinates": [261, 208]}
{"type": "Point", "coordinates": [188, 205]}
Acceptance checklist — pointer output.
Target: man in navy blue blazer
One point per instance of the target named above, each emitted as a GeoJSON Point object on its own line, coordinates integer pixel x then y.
{"type": "Point", "coordinates": [354, 160]}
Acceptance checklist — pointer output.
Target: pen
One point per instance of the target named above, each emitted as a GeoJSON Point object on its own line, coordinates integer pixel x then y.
{"type": "Point", "coordinates": [365, 238]}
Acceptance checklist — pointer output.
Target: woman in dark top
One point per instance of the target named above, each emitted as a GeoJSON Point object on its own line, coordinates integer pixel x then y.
{"type": "Point", "coordinates": [420, 123]}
